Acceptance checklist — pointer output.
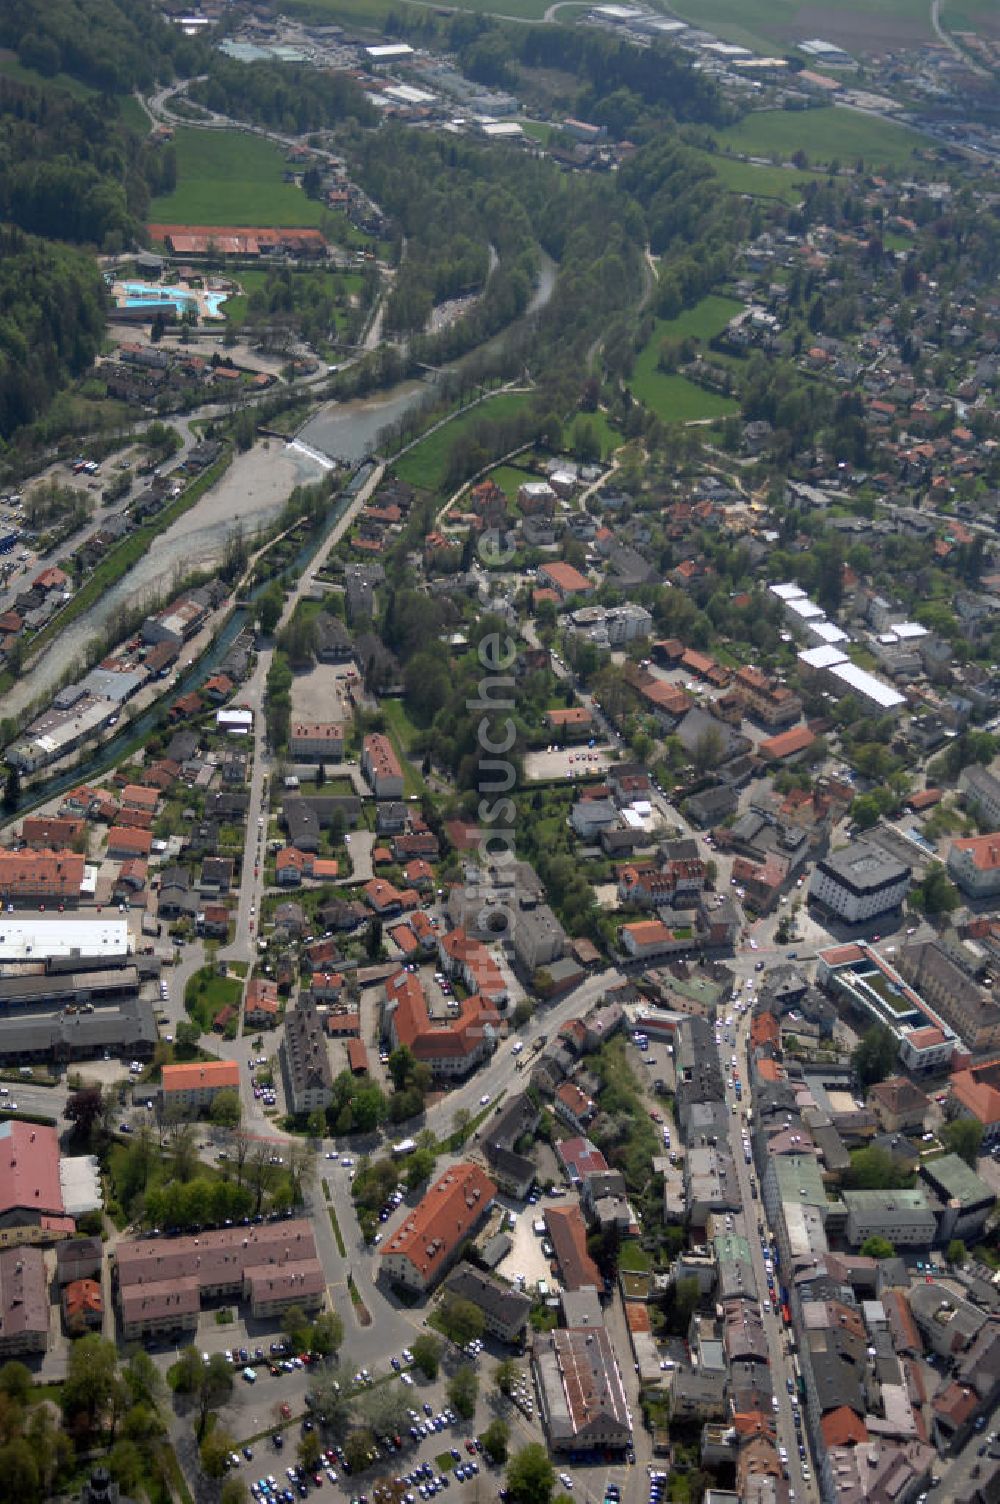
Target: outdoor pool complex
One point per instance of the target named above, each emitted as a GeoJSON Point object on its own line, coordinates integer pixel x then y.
{"type": "Point", "coordinates": [137, 295]}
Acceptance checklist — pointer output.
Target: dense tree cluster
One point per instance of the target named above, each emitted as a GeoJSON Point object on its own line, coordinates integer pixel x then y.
{"type": "Point", "coordinates": [451, 202]}
{"type": "Point", "coordinates": [112, 45]}
{"type": "Point", "coordinates": [51, 323]}
{"type": "Point", "coordinates": [69, 170]}
{"type": "Point", "coordinates": [291, 97]}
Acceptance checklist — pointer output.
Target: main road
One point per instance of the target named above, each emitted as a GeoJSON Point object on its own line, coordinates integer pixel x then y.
{"type": "Point", "coordinates": [748, 1223]}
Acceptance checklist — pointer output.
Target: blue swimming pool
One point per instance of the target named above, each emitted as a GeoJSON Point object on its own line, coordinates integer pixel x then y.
{"type": "Point", "coordinates": [138, 295]}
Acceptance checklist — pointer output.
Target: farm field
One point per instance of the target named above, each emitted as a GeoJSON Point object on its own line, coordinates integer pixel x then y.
{"type": "Point", "coordinates": [824, 135]}
{"type": "Point", "coordinates": [426, 465]}
{"type": "Point", "coordinates": [228, 178]}
{"type": "Point", "coordinates": [762, 24]}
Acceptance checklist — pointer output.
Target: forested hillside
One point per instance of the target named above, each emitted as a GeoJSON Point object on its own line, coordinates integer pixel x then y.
{"type": "Point", "coordinates": [290, 97]}
{"type": "Point", "coordinates": [51, 322]}
{"type": "Point", "coordinates": [112, 45]}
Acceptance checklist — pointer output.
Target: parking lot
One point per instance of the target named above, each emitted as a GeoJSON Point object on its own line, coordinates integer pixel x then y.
{"type": "Point", "coordinates": [526, 1257]}
{"type": "Point", "coordinates": [567, 762]}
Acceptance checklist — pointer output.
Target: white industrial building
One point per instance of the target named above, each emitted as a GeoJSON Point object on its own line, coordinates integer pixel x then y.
{"type": "Point", "coordinates": [23, 938]}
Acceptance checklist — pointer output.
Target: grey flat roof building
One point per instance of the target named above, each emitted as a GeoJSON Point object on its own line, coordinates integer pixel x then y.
{"type": "Point", "coordinates": [863, 869]}
{"type": "Point", "coordinates": [505, 1309]}
{"type": "Point", "coordinates": [127, 1027]}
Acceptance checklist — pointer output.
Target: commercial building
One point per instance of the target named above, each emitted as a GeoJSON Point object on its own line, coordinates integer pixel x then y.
{"type": "Point", "coordinates": [190, 1088]}
{"type": "Point", "coordinates": [24, 1302]}
{"type": "Point", "coordinates": [505, 1310]}
{"type": "Point", "coordinates": [859, 883]}
{"type": "Point", "coordinates": [316, 741]}
{"type": "Point", "coordinates": [305, 1060]}
{"type": "Point", "coordinates": [565, 580]}
{"type": "Point", "coordinates": [31, 938]}
{"type": "Point", "coordinates": [904, 1217]}
{"type": "Point", "coordinates": [161, 1282]}
{"type": "Point", "coordinates": [874, 988]}
{"type": "Point", "coordinates": [429, 1239]}
{"type": "Point", "coordinates": [966, 1202]}
{"type": "Point", "coordinates": [75, 1016]}
{"type": "Point", "coordinates": [452, 1048]}
{"type": "Point", "coordinates": [970, 1009]}
{"type": "Point", "coordinates": [582, 1399]}
{"type": "Point", "coordinates": [974, 864]}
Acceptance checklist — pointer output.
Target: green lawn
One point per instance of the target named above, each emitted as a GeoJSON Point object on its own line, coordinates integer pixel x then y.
{"type": "Point", "coordinates": [823, 135]}
{"type": "Point", "coordinates": [609, 437]}
{"type": "Point", "coordinates": [673, 398]}
{"type": "Point", "coordinates": [401, 733]}
{"type": "Point", "coordinates": [14, 69]}
{"type": "Point", "coordinates": [206, 994]}
{"type": "Point", "coordinates": [761, 182]}
{"type": "Point", "coordinates": [228, 178]}
{"type": "Point", "coordinates": [634, 1258]}
{"type": "Point", "coordinates": [702, 322]}
{"type": "Point", "coordinates": [509, 478]}
{"type": "Point", "coordinates": [427, 463]}
{"type": "Point", "coordinates": [539, 130]}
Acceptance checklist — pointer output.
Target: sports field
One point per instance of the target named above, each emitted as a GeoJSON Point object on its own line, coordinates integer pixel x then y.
{"type": "Point", "coordinates": [228, 178]}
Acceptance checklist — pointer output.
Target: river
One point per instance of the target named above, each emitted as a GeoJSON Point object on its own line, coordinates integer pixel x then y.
{"type": "Point", "coordinates": [251, 493]}
{"type": "Point", "coordinates": [347, 430]}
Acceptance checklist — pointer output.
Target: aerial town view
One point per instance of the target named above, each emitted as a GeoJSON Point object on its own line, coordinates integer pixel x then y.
{"type": "Point", "coordinates": [500, 752]}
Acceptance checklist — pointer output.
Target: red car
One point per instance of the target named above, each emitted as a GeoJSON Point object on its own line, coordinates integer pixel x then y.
{"type": "Point", "coordinates": [655, 1115]}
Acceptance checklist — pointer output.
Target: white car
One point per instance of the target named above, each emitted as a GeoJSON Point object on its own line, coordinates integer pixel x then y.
{"type": "Point", "coordinates": [484, 1100]}
{"type": "Point", "coordinates": [347, 1162]}
{"type": "Point", "coordinates": [565, 1480]}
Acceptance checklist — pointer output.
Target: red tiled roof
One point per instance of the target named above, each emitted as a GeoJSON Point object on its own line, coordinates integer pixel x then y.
{"type": "Point", "coordinates": [122, 838]}
{"type": "Point", "coordinates": [452, 1208]}
{"type": "Point", "coordinates": [984, 851]}
{"type": "Point", "coordinates": [82, 1297]}
{"type": "Point", "coordinates": [568, 1232]}
{"type": "Point", "coordinates": [29, 1169]}
{"type": "Point", "coordinates": [787, 743]}
{"type": "Point", "coordinates": [48, 874]}
{"type": "Point", "coordinates": [211, 1073]}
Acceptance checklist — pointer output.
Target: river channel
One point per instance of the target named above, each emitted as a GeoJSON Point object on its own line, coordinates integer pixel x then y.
{"type": "Point", "coordinates": [251, 494]}
{"type": "Point", "coordinates": [347, 430]}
